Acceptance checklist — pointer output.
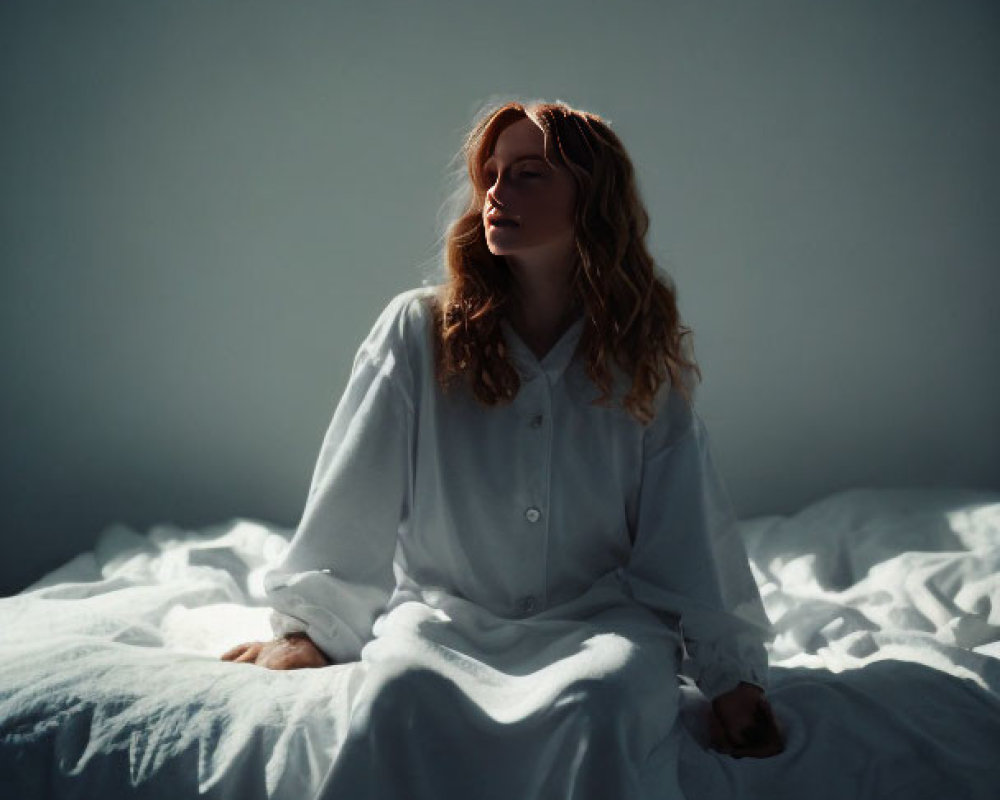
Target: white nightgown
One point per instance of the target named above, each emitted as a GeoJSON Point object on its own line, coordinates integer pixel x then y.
{"type": "Point", "coordinates": [520, 583]}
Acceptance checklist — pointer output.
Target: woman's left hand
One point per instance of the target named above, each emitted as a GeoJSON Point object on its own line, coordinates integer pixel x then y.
{"type": "Point", "coordinates": [743, 724]}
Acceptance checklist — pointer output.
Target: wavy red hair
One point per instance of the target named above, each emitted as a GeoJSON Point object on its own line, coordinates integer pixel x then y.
{"type": "Point", "coordinates": [631, 316]}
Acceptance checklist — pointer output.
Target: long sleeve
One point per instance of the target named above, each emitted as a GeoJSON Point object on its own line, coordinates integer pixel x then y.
{"type": "Point", "coordinates": [336, 575]}
{"type": "Point", "coordinates": [689, 563]}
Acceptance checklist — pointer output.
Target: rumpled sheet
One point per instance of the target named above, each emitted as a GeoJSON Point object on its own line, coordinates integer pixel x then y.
{"type": "Point", "coordinates": [884, 675]}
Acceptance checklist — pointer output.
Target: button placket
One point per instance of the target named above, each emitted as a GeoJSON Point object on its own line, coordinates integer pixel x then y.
{"type": "Point", "coordinates": [535, 401]}
{"type": "Point", "coordinates": [545, 444]}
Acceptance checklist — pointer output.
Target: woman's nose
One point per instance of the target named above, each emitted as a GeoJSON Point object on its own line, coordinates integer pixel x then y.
{"type": "Point", "coordinates": [495, 196]}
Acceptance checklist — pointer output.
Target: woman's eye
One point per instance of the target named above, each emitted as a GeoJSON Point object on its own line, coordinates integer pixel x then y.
{"type": "Point", "coordinates": [491, 177]}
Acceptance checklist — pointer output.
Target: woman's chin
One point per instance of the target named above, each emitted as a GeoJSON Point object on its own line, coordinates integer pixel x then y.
{"type": "Point", "coordinates": [500, 248]}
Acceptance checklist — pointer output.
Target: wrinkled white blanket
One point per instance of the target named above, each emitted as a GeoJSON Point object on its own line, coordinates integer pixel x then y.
{"type": "Point", "coordinates": [885, 673]}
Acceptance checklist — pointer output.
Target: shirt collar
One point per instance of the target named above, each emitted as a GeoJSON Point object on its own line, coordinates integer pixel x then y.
{"type": "Point", "coordinates": [555, 361]}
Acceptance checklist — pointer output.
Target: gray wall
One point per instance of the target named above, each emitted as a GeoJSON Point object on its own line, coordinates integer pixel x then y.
{"type": "Point", "coordinates": [205, 205]}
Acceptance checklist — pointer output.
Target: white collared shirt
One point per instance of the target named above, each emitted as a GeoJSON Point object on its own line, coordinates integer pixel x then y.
{"type": "Point", "coordinates": [514, 510]}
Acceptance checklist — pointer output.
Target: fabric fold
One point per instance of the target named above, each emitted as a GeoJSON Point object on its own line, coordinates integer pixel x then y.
{"type": "Point", "coordinates": [336, 576]}
{"type": "Point", "coordinates": [689, 562]}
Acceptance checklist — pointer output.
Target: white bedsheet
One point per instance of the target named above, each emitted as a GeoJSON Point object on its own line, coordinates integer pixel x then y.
{"type": "Point", "coordinates": [885, 673]}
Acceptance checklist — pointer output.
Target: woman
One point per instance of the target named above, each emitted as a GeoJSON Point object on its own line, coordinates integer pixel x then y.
{"type": "Point", "coordinates": [492, 540]}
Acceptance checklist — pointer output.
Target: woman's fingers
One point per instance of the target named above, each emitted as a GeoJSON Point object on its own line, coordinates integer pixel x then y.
{"type": "Point", "coordinates": [242, 653]}
{"type": "Point", "coordinates": [277, 654]}
{"type": "Point", "coordinates": [770, 747]}
{"type": "Point", "coordinates": [761, 739]}
{"type": "Point", "coordinates": [764, 738]}
{"type": "Point", "coordinates": [249, 656]}
{"type": "Point", "coordinates": [233, 652]}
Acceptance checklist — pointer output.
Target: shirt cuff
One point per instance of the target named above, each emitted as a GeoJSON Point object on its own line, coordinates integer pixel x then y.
{"type": "Point", "coordinates": [718, 679]}
{"type": "Point", "coordinates": [326, 637]}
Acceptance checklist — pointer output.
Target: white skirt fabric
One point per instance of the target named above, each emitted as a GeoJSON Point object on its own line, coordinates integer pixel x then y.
{"type": "Point", "coordinates": [455, 702]}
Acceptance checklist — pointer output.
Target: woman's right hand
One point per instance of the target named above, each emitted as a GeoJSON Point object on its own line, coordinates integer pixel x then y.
{"type": "Point", "coordinates": [291, 651]}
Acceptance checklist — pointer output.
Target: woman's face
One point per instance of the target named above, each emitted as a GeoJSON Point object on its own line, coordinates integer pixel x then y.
{"type": "Point", "coordinates": [538, 195]}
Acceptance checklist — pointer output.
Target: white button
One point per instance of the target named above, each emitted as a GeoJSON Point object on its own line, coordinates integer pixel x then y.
{"type": "Point", "coordinates": [532, 514]}
{"type": "Point", "coordinates": [536, 421]}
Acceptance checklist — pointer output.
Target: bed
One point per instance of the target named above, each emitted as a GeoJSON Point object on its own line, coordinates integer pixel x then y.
{"type": "Point", "coordinates": [885, 671]}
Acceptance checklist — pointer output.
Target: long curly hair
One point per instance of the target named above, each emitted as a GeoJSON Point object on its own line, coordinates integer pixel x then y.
{"type": "Point", "coordinates": [630, 312]}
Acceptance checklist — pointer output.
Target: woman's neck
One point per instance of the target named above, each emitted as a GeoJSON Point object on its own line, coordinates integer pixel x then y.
{"type": "Point", "coordinates": [543, 303]}
{"type": "Point", "coordinates": [541, 322]}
